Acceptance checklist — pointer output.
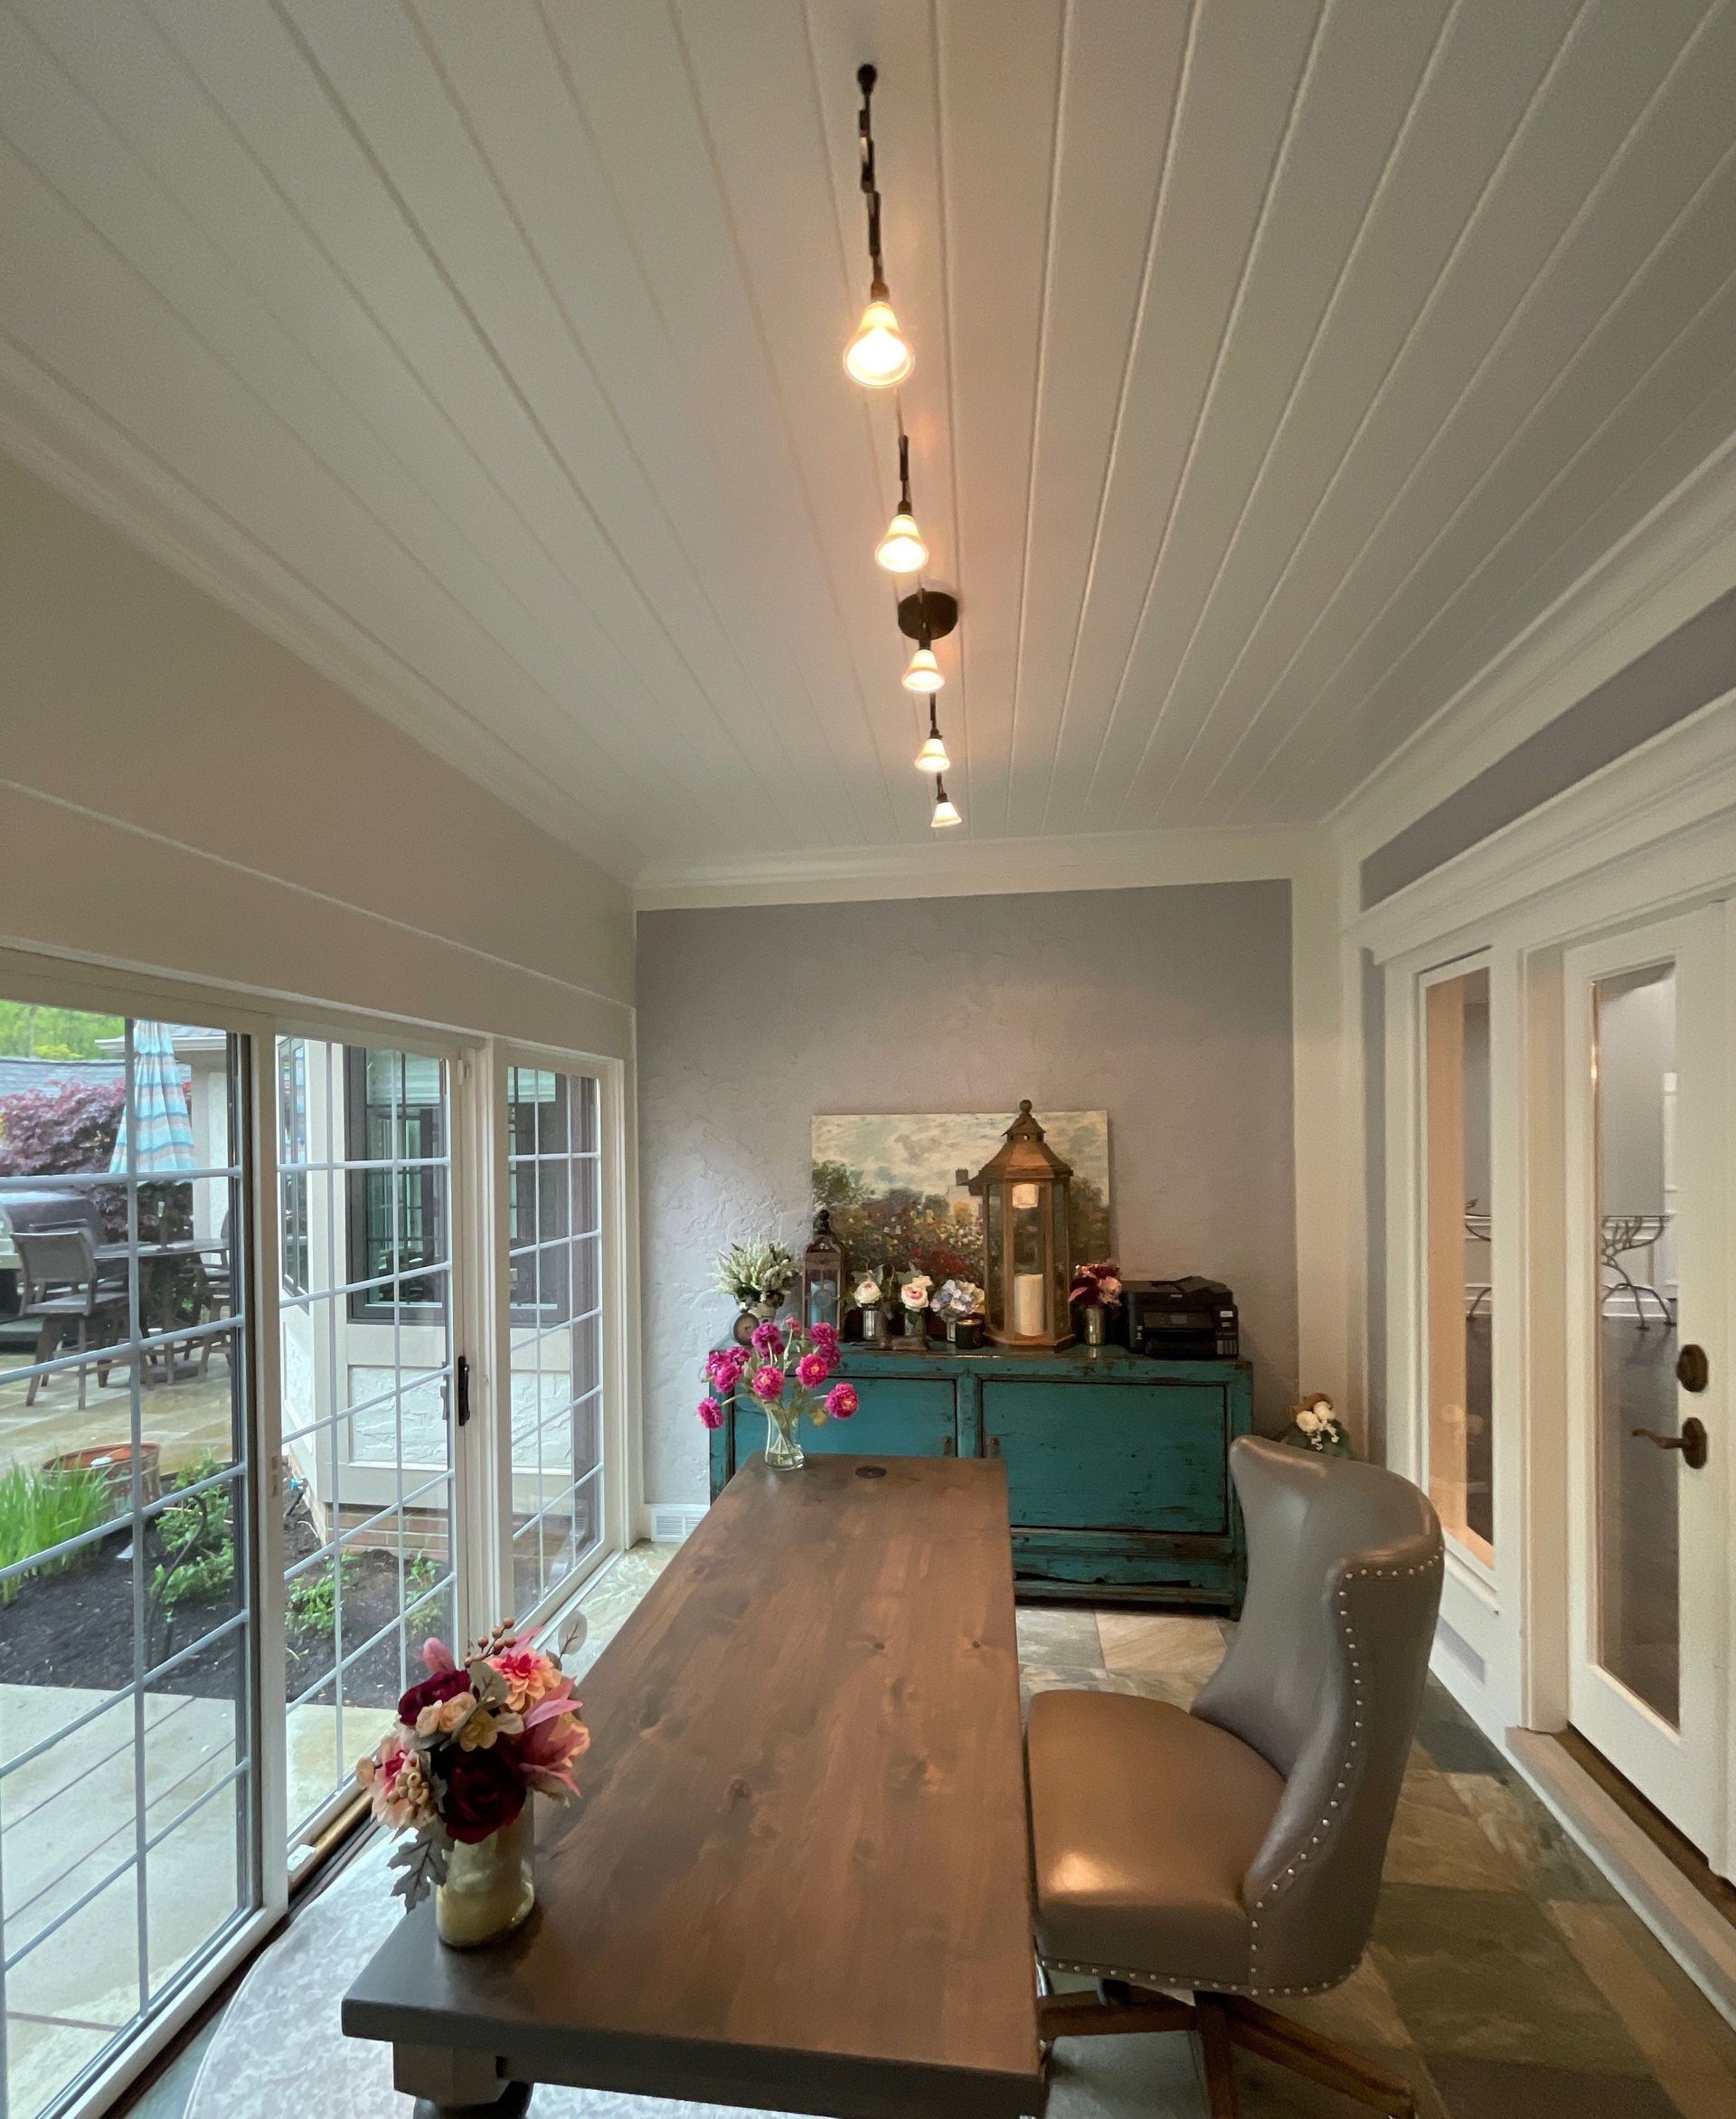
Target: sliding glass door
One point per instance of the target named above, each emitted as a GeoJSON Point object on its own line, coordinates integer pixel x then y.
{"type": "Point", "coordinates": [368, 1380]}
{"type": "Point", "coordinates": [129, 1635]}
{"type": "Point", "coordinates": [554, 1274]}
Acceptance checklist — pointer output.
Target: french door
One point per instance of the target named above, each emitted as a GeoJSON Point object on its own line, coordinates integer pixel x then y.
{"type": "Point", "coordinates": [1646, 1105]}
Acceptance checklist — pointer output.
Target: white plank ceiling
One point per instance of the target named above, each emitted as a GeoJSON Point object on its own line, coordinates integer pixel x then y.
{"type": "Point", "coordinates": [1277, 361]}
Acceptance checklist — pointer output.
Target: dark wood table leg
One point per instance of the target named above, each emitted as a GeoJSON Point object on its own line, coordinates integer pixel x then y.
{"type": "Point", "coordinates": [450, 2084]}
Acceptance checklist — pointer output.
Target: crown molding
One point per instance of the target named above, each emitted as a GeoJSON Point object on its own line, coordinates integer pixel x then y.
{"type": "Point", "coordinates": [962, 867]}
{"type": "Point", "coordinates": [1679, 786]}
{"type": "Point", "coordinates": [98, 466]}
{"type": "Point", "coordinates": [1666, 569]}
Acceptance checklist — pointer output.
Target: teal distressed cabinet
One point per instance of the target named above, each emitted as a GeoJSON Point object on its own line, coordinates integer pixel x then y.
{"type": "Point", "coordinates": [1116, 1466]}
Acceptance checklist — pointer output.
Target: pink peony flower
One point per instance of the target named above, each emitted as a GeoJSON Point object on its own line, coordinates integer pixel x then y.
{"type": "Point", "coordinates": [825, 1337]}
{"type": "Point", "coordinates": [842, 1401]}
{"type": "Point", "coordinates": [812, 1370]}
{"type": "Point", "coordinates": [767, 1385]}
{"type": "Point", "coordinates": [767, 1339]}
{"type": "Point", "coordinates": [711, 1413]}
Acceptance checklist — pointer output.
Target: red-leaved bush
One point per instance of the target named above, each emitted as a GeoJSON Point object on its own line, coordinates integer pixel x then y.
{"type": "Point", "coordinates": [46, 1132]}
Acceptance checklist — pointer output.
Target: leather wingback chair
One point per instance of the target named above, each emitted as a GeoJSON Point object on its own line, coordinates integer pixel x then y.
{"type": "Point", "coordinates": [1234, 1850]}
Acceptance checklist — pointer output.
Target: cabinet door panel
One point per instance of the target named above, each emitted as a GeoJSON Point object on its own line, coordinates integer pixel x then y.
{"type": "Point", "coordinates": [900, 1417]}
{"type": "Point", "coordinates": [1112, 1456]}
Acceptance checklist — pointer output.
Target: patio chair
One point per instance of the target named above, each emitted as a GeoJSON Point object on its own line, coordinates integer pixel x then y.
{"type": "Point", "coordinates": [63, 1288]}
{"type": "Point", "coordinates": [216, 1295]}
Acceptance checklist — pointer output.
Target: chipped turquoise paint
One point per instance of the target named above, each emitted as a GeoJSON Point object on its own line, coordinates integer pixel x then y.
{"type": "Point", "coordinates": [1118, 1467]}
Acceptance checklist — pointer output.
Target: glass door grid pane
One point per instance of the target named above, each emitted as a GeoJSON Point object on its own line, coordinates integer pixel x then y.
{"type": "Point", "coordinates": [364, 1189]}
{"type": "Point", "coordinates": [555, 1276]}
{"type": "Point", "coordinates": [128, 1827]}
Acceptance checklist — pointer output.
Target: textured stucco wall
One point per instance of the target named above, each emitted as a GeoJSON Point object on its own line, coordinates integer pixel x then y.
{"type": "Point", "coordinates": [1170, 1008]}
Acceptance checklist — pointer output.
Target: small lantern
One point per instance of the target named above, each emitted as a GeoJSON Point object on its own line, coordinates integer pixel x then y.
{"type": "Point", "coordinates": [1026, 1238]}
{"type": "Point", "coordinates": [823, 1276]}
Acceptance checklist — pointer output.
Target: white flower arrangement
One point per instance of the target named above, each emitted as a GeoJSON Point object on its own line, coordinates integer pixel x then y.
{"type": "Point", "coordinates": [1319, 1423]}
{"type": "Point", "coordinates": [957, 1299]}
{"type": "Point", "coordinates": [914, 1293]}
{"type": "Point", "coordinates": [868, 1291]}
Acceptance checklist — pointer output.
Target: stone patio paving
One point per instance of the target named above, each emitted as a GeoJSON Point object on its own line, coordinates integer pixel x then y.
{"type": "Point", "coordinates": [186, 1419]}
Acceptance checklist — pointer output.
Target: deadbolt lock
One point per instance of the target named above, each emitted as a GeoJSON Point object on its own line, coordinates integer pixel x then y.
{"type": "Point", "coordinates": [1693, 1371]}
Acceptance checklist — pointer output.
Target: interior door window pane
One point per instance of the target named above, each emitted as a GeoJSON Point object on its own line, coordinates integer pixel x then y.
{"type": "Point", "coordinates": [364, 1183]}
{"type": "Point", "coordinates": [1637, 1485]}
{"type": "Point", "coordinates": [128, 1640]}
{"type": "Point", "coordinates": [554, 1266]}
{"type": "Point", "coordinates": [1458, 1259]}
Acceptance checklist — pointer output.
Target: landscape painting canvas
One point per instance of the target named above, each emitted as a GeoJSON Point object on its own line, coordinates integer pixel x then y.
{"type": "Point", "coordinates": [895, 1183]}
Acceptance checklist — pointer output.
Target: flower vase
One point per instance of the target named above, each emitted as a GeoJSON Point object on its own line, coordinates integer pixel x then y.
{"type": "Point", "coordinates": [1096, 1318]}
{"type": "Point", "coordinates": [915, 1330]}
{"type": "Point", "coordinates": [783, 1442]}
{"type": "Point", "coordinates": [873, 1325]}
{"type": "Point", "coordinates": [490, 1887]}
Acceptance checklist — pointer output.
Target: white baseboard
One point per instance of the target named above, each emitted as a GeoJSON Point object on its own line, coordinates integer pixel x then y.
{"type": "Point", "coordinates": [668, 1522]}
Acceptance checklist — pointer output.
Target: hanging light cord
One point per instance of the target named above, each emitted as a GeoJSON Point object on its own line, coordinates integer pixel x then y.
{"type": "Point", "coordinates": [866, 77]}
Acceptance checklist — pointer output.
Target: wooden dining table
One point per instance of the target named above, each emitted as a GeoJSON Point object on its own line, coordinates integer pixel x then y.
{"type": "Point", "coordinates": [799, 1879]}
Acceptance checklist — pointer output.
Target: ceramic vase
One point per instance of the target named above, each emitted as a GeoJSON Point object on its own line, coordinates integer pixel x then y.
{"type": "Point", "coordinates": [490, 1887]}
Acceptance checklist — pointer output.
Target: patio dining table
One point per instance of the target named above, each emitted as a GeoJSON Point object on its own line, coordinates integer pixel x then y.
{"type": "Point", "coordinates": [160, 1266]}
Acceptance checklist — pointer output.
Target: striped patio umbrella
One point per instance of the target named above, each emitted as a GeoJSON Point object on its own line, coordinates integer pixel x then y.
{"type": "Point", "coordinates": [160, 1105]}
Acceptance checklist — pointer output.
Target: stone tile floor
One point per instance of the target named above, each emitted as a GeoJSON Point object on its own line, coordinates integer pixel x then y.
{"type": "Point", "coordinates": [1505, 1978]}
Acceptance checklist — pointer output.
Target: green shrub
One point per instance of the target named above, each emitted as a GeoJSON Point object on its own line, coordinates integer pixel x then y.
{"type": "Point", "coordinates": [196, 1540]}
{"type": "Point", "coordinates": [41, 1509]}
{"type": "Point", "coordinates": [313, 1597]}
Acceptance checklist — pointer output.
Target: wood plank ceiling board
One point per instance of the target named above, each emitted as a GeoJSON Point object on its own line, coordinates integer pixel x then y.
{"type": "Point", "coordinates": [1279, 362]}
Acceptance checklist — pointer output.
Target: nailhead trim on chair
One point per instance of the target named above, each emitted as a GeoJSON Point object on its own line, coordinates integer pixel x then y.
{"type": "Point", "coordinates": [1318, 1839]}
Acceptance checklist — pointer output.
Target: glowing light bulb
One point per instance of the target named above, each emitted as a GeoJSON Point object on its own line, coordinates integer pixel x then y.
{"type": "Point", "coordinates": [932, 757]}
{"type": "Point", "coordinates": [901, 550]}
{"type": "Point", "coordinates": [879, 355]}
{"type": "Point", "coordinates": [924, 673]}
{"type": "Point", "coordinates": [944, 812]}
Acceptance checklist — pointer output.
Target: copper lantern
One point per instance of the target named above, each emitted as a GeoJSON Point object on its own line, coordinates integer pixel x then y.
{"type": "Point", "coordinates": [1026, 1238]}
{"type": "Point", "coordinates": [823, 1276]}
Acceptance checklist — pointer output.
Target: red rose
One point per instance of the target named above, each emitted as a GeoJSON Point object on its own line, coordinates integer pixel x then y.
{"type": "Point", "coordinates": [483, 1792]}
{"type": "Point", "coordinates": [442, 1685]}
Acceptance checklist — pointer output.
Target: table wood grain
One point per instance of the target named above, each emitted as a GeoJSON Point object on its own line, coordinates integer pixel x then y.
{"type": "Point", "coordinates": [799, 1878]}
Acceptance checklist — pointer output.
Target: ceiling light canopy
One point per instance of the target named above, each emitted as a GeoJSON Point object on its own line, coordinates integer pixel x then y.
{"type": "Point", "coordinates": [879, 357]}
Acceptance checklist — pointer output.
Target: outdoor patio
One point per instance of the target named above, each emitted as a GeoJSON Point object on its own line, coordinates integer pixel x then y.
{"type": "Point", "coordinates": [187, 1420]}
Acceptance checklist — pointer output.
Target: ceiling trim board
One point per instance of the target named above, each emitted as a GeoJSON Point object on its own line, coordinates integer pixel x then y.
{"type": "Point", "coordinates": [1668, 567]}
{"type": "Point", "coordinates": [104, 472]}
{"type": "Point", "coordinates": [987, 867]}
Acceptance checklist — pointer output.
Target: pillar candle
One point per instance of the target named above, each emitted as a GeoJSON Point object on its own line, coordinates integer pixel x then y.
{"type": "Point", "coordinates": [1027, 1304]}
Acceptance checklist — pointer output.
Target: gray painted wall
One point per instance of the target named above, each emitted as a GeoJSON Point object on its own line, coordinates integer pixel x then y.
{"type": "Point", "coordinates": [1170, 1008]}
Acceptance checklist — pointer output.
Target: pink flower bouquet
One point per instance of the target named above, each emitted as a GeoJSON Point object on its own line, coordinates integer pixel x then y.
{"type": "Point", "coordinates": [787, 1370]}
{"type": "Point", "coordinates": [473, 1740]}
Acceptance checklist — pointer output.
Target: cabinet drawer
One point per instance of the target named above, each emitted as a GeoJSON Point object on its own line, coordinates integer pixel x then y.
{"type": "Point", "coordinates": [900, 1416]}
{"type": "Point", "coordinates": [1138, 1456]}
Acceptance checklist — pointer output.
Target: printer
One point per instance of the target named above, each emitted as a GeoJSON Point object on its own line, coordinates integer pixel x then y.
{"type": "Point", "coordinates": [1187, 1320]}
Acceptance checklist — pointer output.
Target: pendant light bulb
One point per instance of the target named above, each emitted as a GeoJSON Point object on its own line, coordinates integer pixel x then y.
{"type": "Point", "coordinates": [932, 757]}
{"type": "Point", "coordinates": [924, 673]}
{"type": "Point", "coordinates": [944, 812]}
{"type": "Point", "coordinates": [901, 550]}
{"type": "Point", "coordinates": [879, 357]}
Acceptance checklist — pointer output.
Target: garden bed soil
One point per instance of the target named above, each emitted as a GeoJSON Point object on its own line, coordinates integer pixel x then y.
{"type": "Point", "coordinates": [75, 1628]}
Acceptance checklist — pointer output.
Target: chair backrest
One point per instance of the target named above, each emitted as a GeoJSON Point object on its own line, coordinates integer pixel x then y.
{"type": "Point", "coordinates": [56, 1261]}
{"type": "Point", "coordinates": [52, 1210]}
{"type": "Point", "coordinates": [1325, 1679]}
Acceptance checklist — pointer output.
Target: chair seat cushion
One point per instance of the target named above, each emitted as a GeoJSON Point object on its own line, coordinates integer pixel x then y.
{"type": "Point", "coordinates": [1144, 1821]}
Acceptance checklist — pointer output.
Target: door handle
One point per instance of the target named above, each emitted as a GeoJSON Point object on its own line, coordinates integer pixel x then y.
{"type": "Point", "coordinates": [993, 1446]}
{"type": "Point", "coordinates": [1690, 1442]}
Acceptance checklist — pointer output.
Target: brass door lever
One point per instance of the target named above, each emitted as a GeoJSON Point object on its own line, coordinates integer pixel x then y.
{"type": "Point", "coordinates": [1690, 1442]}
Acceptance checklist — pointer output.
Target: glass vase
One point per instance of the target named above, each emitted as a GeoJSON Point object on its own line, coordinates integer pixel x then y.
{"type": "Point", "coordinates": [783, 1442]}
{"type": "Point", "coordinates": [1096, 1318]}
{"type": "Point", "coordinates": [490, 1887]}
